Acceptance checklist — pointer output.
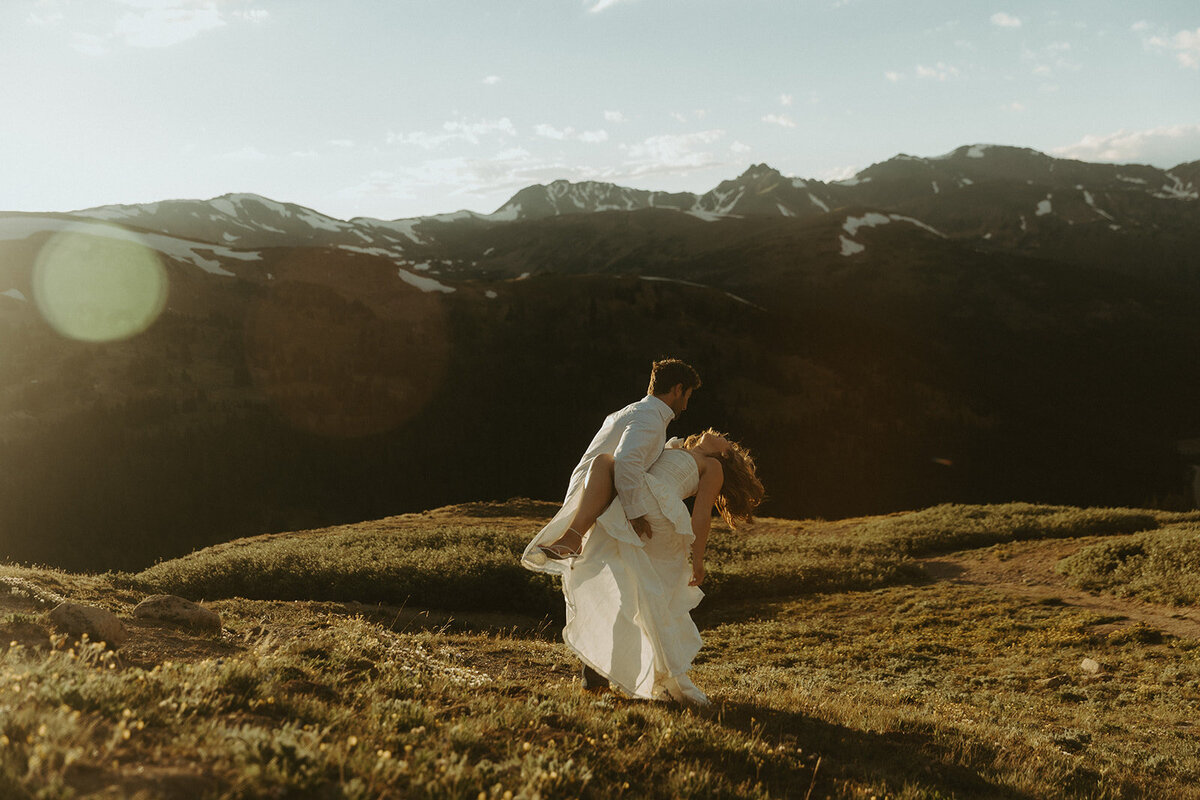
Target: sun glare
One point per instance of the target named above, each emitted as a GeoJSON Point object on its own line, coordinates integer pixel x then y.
{"type": "Point", "coordinates": [98, 283]}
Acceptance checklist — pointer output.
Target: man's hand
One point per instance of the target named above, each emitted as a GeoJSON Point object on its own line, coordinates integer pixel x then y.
{"type": "Point", "coordinates": [642, 527]}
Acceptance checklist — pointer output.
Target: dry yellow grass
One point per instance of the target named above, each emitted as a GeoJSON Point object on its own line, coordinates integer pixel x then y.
{"type": "Point", "coordinates": [883, 681]}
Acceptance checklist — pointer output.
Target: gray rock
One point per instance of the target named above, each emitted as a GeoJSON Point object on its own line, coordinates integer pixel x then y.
{"type": "Point", "coordinates": [1089, 666]}
{"type": "Point", "coordinates": [178, 611]}
{"type": "Point", "coordinates": [77, 619]}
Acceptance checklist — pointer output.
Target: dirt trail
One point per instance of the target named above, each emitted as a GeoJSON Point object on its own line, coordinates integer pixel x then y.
{"type": "Point", "coordinates": [1026, 569]}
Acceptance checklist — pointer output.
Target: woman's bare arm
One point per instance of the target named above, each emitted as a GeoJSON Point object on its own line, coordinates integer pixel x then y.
{"type": "Point", "coordinates": [711, 479]}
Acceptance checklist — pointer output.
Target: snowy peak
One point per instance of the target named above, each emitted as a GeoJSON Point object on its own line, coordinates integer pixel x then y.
{"type": "Point", "coordinates": [243, 220]}
{"type": "Point", "coordinates": [587, 197]}
{"type": "Point", "coordinates": [761, 189]}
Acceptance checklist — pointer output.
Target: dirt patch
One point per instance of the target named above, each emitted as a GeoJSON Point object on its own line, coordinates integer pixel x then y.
{"type": "Point", "coordinates": [1027, 569]}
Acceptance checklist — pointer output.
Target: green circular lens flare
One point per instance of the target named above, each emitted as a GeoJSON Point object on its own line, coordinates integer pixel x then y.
{"type": "Point", "coordinates": [98, 283]}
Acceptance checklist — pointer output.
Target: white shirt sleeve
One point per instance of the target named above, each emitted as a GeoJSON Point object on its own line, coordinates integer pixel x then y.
{"type": "Point", "coordinates": [640, 445]}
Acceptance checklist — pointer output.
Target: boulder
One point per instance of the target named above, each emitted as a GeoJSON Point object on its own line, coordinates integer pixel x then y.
{"type": "Point", "coordinates": [77, 619]}
{"type": "Point", "coordinates": [1090, 667]}
{"type": "Point", "coordinates": [176, 610]}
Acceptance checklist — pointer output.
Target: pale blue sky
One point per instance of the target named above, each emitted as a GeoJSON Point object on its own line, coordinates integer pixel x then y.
{"type": "Point", "coordinates": [394, 108]}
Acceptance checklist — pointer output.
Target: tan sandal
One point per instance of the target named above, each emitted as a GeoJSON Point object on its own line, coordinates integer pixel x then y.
{"type": "Point", "coordinates": [560, 552]}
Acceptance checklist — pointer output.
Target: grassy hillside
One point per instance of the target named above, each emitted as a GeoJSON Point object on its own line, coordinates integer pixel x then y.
{"type": "Point", "coordinates": [411, 657]}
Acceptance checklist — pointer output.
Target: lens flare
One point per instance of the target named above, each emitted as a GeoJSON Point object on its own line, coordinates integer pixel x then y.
{"type": "Point", "coordinates": [98, 283]}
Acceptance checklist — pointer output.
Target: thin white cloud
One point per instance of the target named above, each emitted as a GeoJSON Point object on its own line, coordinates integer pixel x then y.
{"type": "Point", "coordinates": [487, 180]}
{"type": "Point", "coordinates": [782, 120]}
{"type": "Point", "coordinates": [786, 99]}
{"type": "Point", "coordinates": [1140, 25]}
{"type": "Point", "coordinates": [163, 27]}
{"type": "Point", "coordinates": [1049, 58]}
{"type": "Point", "coordinates": [671, 153]}
{"type": "Point", "coordinates": [563, 134]}
{"type": "Point", "coordinates": [894, 77]}
{"type": "Point", "coordinates": [491, 80]}
{"type": "Point", "coordinates": [345, 144]}
{"type": "Point", "coordinates": [739, 148]}
{"type": "Point", "coordinates": [151, 23]}
{"type": "Point", "coordinates": [615, 116]}
{"type": "Point", "coordinates": [602, 5]}
{"type": "Point", "coordinates": [1163, 147]}
{"type": "Point", "coordinates": [1184, 44]}
{"type": "Point", "coordinates": [455, 131]}
{"type": "Point", "coordinates": [550, 132]}
{"type": "Point", "coordinates": [1002, 20]}
{"type": "Point", "coordinates": [51, 16]}
{"type": "Point", "coordinates": [940, 71]}
{"type": "Point", "coordinates": [1015, 106]}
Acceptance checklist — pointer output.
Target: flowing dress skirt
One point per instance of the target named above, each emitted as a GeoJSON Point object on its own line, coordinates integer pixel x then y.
{"type": "Point", "coordinates": [628, 599]}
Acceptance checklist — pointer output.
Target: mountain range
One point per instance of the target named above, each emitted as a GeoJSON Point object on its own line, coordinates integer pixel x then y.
{"type": "Point", "coordinates": [994, 197]}
{"type": "Point", "coordinates": [992, 324]}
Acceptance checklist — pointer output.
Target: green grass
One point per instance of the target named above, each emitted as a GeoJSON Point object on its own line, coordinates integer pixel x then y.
{"type": "Point", "coordinates": [831, 665]}
{"type": "Point", "coordinates": [960, 527]}
{"type": "Point", "coordinates": [467, 560]}
{"type": "Point", "coordinates": [403, 560]}
{"type": "Point", "coordinates": [1160, 566]}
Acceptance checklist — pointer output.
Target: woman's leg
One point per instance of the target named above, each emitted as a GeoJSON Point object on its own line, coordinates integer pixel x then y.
{"type": "Point", "coordinates": [598, 492]}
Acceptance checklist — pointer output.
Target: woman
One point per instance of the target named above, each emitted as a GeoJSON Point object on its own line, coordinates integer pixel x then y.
{"type": "Point", "coordinates": [628, 599]}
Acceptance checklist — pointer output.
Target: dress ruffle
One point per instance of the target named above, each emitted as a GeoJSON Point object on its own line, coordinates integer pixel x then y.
{"type": "Point", "coordinates": [628, 599]}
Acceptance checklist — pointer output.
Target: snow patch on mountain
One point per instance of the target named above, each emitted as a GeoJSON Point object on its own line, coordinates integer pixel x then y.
{"type": "Point", "coordinates": [784, 210]}
{"type": "Point", "coordinates": [977, 150]}
{"type": "Point", "coordinates": [509, 213]}
{"type": "Point", "coordinates": [918, 223]}
{"type": "Point", "coordinates": [201, 254]}
{"type": "Point", "coordinates": [851, 247]}
{"type": "Point", "coordinates": [873, 218]}
{"type": "Point", "coordinates": [869, 220]}
{"type": "Point", "coordinates": [370, 251]}
{"type": "Point", "coordinates": [1177, 191]}
{"type": "Point", "coordinates": [1044, 207]}
{"type": "Point", "coordinates": [423, 283]}
{"type": "Point", "coordinates": [1091, 201]}
{"type": "Point", "coordinates": [816, 201]}
{"type": "Point", "coordinates": [224, 206]}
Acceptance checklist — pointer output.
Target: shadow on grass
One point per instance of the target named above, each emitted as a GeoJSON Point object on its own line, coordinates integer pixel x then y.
{"type": "Point", "coordinates": [896, 760]}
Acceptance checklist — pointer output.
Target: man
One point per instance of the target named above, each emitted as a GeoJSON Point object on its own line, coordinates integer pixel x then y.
{"type": "Point", "coordinates": [635, 436]}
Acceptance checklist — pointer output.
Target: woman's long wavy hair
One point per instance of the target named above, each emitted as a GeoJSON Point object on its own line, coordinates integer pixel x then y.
{"type": "Point", "coordinates": [742, 491]}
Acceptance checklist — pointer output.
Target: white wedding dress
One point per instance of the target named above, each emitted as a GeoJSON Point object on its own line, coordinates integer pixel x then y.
{"type": "Point", "coordinates": [628, 599]}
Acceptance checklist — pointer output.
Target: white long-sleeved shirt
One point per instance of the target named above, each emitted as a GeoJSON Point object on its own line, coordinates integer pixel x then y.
{"type": "Point", "coordinates": [635, 437]}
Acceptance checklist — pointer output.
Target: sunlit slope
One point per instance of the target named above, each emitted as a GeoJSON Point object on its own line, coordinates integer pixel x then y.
{"type": "Point", "coordinates": [466, 557]}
